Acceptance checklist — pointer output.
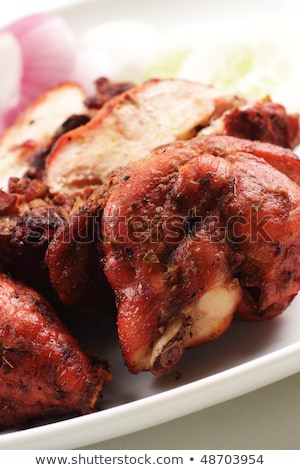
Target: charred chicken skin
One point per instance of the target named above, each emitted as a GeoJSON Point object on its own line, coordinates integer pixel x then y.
{"type": "Point", "coordinates": [29, 219]}
{"type": "Point", "coordinates": [262, 120]}
{"type": "Point", "coordinates": [74, 255]}
{"type": "Point", "coordinates": [43, 371]}
{"type": "Point", "coordinates": [193, 236]}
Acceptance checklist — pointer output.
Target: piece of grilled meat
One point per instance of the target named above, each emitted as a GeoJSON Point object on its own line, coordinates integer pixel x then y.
{"type": "Point", "coordinates": [28, 220]}
{"type": "Point", "coordinates": [44, 373]}
{"type": "Point", "coordinates": [73, 256]}
{"type": "Point", "coordinates": [23, 146]}
{"type": "Point", "coordinates": [263, 120]}
{"type": "Point", "coordinates": [193, 236]}
{"type": "Point", "coordinates": [128, 126]}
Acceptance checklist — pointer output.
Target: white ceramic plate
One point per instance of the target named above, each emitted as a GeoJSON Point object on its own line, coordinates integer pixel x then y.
{"type": "Point", "coordinates": [246, 357]}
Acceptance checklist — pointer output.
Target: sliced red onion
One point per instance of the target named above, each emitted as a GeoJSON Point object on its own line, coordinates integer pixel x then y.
{"type": "Point", "coordinates": [2, 124]}
{"type": "Point", "coordinates": [48, 50]}
{"type": "Point", "coordinates": [11, 70]}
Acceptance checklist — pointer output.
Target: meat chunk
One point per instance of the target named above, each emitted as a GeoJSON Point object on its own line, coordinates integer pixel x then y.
{"type": "Point", "coordinates": [193, 237]}
{"type": "Point", "coordinates": [74, 255]}
{"type": "Point", "coordinates": [33, 130]}
{"type": "Point", "coordinates": [105, 90]}
{"type": "Point", "coordinates": [262, 219]}
{"type": "Point", "coordinates": [43, 371]}
{"type": "Point", "coordinates": [128, 126]}
{"type": "Point", "coordinates": [13, 205]}
{"type": "Point", "coordinates": [29, 219]}
{"type": "Point", "coordinates": [263, 120]}
{"type": "Point", "coordinates": [28, 243]}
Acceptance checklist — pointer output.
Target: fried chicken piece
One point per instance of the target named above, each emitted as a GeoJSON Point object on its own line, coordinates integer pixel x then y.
{"type": "Point", "coordinates": [263, 120]}
{"type": "Point", "coordinates": [29, 218]}
{"type": "Point", "coordinates": [44, 373]}
{"type": "Point", "coordinates": [23, 146]}
{"type": "Point", "coordinates": [13, 205]}
{"type": "Point", "coordinates": [192, 237]}
{"type": "Point", "coordinates": [128, 126]}
{"type": "Point", "coordinates": [73, 256]}
{"type": "Point", "coordinates": [29, 241]}
{"type": "Point", "coordinates": [265, 225]}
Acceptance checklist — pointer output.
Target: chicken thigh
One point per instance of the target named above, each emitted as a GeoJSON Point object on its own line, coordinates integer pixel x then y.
{"type": "Point", "coordinates": [193, 236]}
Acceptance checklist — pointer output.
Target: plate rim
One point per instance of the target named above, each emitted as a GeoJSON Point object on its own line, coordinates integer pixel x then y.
{"type": "Point", "coordinates": [264, 370]}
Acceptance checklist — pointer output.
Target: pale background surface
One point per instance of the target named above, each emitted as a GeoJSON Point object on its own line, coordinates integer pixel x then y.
{"type": "Point", "coordinates": [268, 418]}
